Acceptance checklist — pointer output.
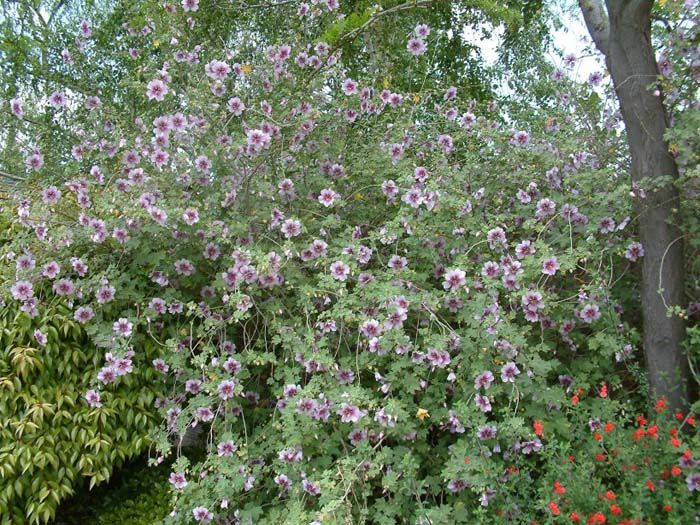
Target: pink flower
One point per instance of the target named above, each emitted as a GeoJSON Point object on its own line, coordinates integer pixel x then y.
{"type": "Point", "coordinates": [22, 290]}
{"type": "Point", "coordinates": [235, 106]}
{"type": "Point", "coordinates": [93, 398]}
{"type": "Point", "coordinates": [226, 448]}
{"type": "Point", "coordinates": [606, 225]}
{"type": "Point", "coordinates": [83, 314]}
{"type": "Point", "coordinates": [508, 372]}
{"type": "Point", "coordinates": [122, 327]}
{"type": "Point", "coordinates": [35, 161]}
{"type": "Point", "coordinates": [483, 380]}
{"type": "Point", "coordinates": [178, 480]}
{"type": "Point", "coordinates": [416, 46]}
{"type": "Point", "coordinates": [217, 70]}
{"type": "Point", "coordinates": [350, 413]}
{"type": "Point", "coordinates": [290, 228]}
{"type": "Point", "coordinates": [595, 78]}
{"type": "Point", "coordinates": [545, 208]}
{"type": "Point", "coordinates": [532, 301]}
{"type": "Point", "coordinates": [203, 164]}
{"type": "Point", "coordinates": [226, 389]}
{"type": "Point", "coordinates": [257, 139]}
{"type": "Point", "coordinates": [422, 30]}
{"type": "Point", "coordinates": [454, 279]}
{"type": "Point", "coordinates": [156, 90]}
{"type": "Point", "coordinates": [190, 5]}
{"type": "Point", "coordinates": [413, 198]}
{"type": "Point", "coordinates": [51, 270]}
{"type": "Point", "coordinates": [64, 287]}
{"type": "Point", "coordinates": [57, 99]}
{"type": "Point", "coordinates": [550, 266]}
{"type": "Point", "coordinates": [339, 270]}
{"type": "Point", "coordinates": [496, 238]}
{"type": "Point", "coordinates": [634, 251]}
{"type": "Point", "coordinates": [200, 513]}
{"type": "Point", "coordinates": [589, 313]}
{"type": "Point", "coordinates": [328, 197]}
{"type": "Point", "coordinates": [50, 195]}
{"type": "Point", "coordinates": [491, 270]}
{"type": "Point", "coordinates": [85, 29]}
{"type": "Point", "coordinates": [397, 263]}
{"type": "Point", "coordinates": [105, 294]}
{"type": "Point", "coordinates": [190, 216]}
{"type": "Point", "coordinates": [521, 138]}
{"type": "Point", "coordinates": [16, 107]}
{"type": "Point", "coordinates": [40, 337]}
{"type": "Point", "coordinates": [184, 267]}
{"type": "Point", "coordinates": [523, 249]}
{"type": "Point", "coordinates": [350, 87]}
{"type": "Point", "coordinates": [290, 455]}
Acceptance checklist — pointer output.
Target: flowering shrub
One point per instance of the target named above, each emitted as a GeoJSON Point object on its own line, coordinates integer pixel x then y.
{"type": "Point", "coordinates": [381, 306]}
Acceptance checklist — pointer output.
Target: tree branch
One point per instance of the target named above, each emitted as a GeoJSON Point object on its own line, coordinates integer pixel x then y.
{"type": "Point", "coordinates": [596, 19]}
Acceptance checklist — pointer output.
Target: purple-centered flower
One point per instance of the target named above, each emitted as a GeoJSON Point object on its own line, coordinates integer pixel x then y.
{"type": "Point", "coordinates": [634, 251]}
{"type": "Point", "coordinates": [339, 270]}
{"type": "Point", "coordinates": [350, 413]}
{"type": "Point", "coordinates": [202, 514]}
{"type": "Point", "coordinates": [693, 481]}
{"type": "Point", "coordinates": [508, 372]}
{"type": "Point", "coordinates": [226, 389]}
{"type": "Point", "coordinates": [226, 448]}
{"type": "Point", "coordinates": [22, 290]}
{"type": "Point", "coordinates": [178, 480]}
{"type": "Point", "coordinates": [483, 380]}
{"type": "Point", "coordinates": [589, 313]}
{"type": "Point", "coordinates": [93, 398]}
{"type": "Point", "coordinates": [122, 327]}
{"type": "Point", "coordinates": [486, 432]}
{"type": "Point", "coordinates": [83, 314]}
{"type": "Point", "coordinates": [454, 279]}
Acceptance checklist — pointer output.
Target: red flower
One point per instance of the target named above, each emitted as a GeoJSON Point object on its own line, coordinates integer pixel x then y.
{"type": "Point", "coordinates": [604, 391]}
{"type": "Point", "coordinates": [660, 405]}
{"type": "Point", "coordinates": [574, 400]}
{"type": "Point", "coordinates": [597, 436]}
{"type": "Point", "coordinates": [598, 517]}
{"type": "Point", "coordinates": [641, 420]}
{"type": "Point", "coordinates": [610, 495]}
{"type": "Point", "coordinates": [679, 416]}
{"type": "Point", "coordinates": [653, 431]}
{"type": "Point", "coordinates": [538, 428]}
{"type": "Point", "coordinates": [558, 488]}
{"type": "Point", "coordinates": [554, 508]}
{"type": "Point", "coordinates": [667, 507]}
{"type": "Point", "coordinates": [609, 427]}
{"type": "Point", "coordinates": [615, 509]}
{"type": "Point", "coordinates": [575, 518]}
{"type": "Point", "coordinates": [600, 457]}
{"type": "Point", "coordinates": [675, 442]}
{"type": "Point", "coordinates": [676, 470]}
{"type": "Point", "coordinates": [650, 486]}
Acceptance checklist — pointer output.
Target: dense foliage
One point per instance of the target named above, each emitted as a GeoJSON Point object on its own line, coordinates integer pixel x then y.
{"type": "Point", "coordinates": [383, 305]}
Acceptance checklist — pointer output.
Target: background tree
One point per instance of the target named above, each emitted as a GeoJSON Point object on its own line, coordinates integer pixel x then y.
{"type": "Point", "coordinates": [621, 31]}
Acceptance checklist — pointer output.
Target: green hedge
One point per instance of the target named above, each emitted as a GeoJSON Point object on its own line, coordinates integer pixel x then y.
{"type": "Point", "coordinates": [50, 438]}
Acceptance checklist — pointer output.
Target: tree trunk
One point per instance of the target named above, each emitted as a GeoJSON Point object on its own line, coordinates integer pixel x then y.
{"type": "Point", "coordinates": [624, 37]}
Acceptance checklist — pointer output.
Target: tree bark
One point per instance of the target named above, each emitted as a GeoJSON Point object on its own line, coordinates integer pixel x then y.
{"type": "Point", "coordinates": [623, 35]}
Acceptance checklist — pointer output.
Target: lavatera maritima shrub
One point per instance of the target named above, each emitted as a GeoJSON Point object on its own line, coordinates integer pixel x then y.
{"type": "Point", "coordinates": [380, 306]}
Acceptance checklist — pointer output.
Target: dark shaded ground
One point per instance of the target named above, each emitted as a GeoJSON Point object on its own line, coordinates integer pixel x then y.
{"type": "Point", "coordinates": [136, 495]}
